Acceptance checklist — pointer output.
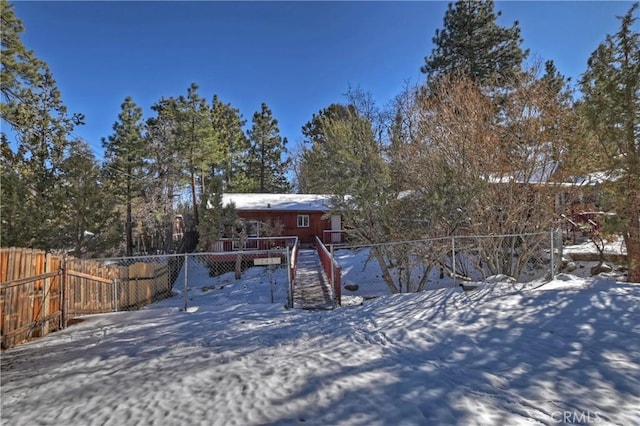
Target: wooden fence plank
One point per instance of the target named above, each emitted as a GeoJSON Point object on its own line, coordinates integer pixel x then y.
{"type": "Point", "coordinates": [4, 263]}
{"type": "Point", "coordinates": [40, 291]}
{"type": "Point", "coordinates": [90, 277]}
{"type": "Point", "coordinates": [21, 281]}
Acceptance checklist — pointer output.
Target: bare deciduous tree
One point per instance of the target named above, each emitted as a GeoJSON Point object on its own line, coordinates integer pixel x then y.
{"type": "Point", "coordinates": [487, 165]}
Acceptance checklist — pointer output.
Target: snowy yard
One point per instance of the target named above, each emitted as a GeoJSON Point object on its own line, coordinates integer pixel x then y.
{"type": "Point", "coordinates": [566, 351]}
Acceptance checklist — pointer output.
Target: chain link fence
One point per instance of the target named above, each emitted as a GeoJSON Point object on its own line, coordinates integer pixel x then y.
{"type": "Point", "coordinates": [256, 272]}
{"type": "Point", "coordinates": [411, 266]}
{"type": "Point", "coordinates": [242, 277]}
{"type": "Point", "coordinates": [40, 292]}
{"type": "Point", "coordinates": [194, 279]}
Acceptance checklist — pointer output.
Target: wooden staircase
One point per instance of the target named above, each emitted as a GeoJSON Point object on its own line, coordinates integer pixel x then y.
{"type": "Point", "coordinates": [312, 289]}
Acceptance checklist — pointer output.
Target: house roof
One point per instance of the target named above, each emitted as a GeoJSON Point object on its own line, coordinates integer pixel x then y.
{"type": "Point", "coordinates": [278, 202]}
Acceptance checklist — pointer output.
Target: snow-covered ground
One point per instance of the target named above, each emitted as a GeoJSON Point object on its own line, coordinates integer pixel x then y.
{"type": "Point", "coordinates": [610, 247]}
{"type": "Point", "coordinates": [258, 285]}
{"type": "Point", "coordinates": [361, 269]}
{"type": "Point", "coordinates": [567, 351]}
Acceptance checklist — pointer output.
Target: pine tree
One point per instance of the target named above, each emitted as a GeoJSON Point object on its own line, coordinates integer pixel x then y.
{"type": "Point", "coordinates": [354, 159]}
{"type": "Point", "coordinates": [611, 105]}
{"type": "Point", "coordinates": [125, 152]}
{"type": "Point", "coordinates": [195, 134]}
{"type": "Point", "coordinates": [21, 70]}
{"type": "Point", "coordinates": [87, 220]}
{"type": "Point", "coordinates": [13, 194]}
{"type": "Point", "coordinates": [211, 226]}
{"type": "Point", "coordinates": [472, 43]}
{"type": "Point", "coordinates": [365, 197]}
{"type": "Point", "coordinates": [314, 174]}
{"type": "Point", "coordinates": [231, 144]}
{"type": "Point", "coordinates": [32, 106]}
{"type": "Point", "coordinates": [267, 169]}
{"type": "Point", "coordinates": [166, 168]}
{"type": "Point", "coordinates": [163, 166]}
{"type": "Point", "coordinates": [556, 83]}
{"type": "Point", "coordinates": [319, 166]}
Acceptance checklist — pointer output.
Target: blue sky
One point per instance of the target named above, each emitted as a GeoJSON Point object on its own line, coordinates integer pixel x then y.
{"type": "Point", "coordinates": [298, 57]}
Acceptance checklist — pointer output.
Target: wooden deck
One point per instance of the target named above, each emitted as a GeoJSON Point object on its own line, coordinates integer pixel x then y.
{"type": "Point", "coordinates": [312, 290]}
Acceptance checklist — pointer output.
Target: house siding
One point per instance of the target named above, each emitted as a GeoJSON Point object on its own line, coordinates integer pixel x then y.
{"type": "Point", "coordinates": [289, 221]}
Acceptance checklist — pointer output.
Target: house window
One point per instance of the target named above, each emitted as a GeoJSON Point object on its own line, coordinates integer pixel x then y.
{"type": "Point", "coordinates": [253, 228]}
{"type": "Point", "coordinates": [303, 221]}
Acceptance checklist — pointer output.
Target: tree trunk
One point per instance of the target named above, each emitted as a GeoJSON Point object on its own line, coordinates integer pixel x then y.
{"type": "Point", "coordinates": [77, 251]}
{"type": "Point", "coordinates": [129, 231]}
{"type": "Point", "coordinates": [632, 241]}
{"type": "Point", "coordinates": [242, 238]}
{"type": "Point", "coordinates": [425, 278]}
{"type": "Point", "coordinates": [386, 275]}
{"type": "Point", "coordinates": [262, 166]}
{"type": "Point", "coordinates": [195, 199]}
{"type": "Point", "coordinates": [239, 265]}
{"type": "Point", "coordinates": [631, 212]}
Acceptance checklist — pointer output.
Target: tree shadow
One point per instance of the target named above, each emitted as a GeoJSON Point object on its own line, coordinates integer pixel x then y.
{"type": "Point", "coordinates": [494, 355]}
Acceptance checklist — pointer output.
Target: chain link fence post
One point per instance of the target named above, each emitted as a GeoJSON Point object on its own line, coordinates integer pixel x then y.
{"type": "Point", "coordinates": [65, 292]}
{"type": "Point", "coordinates": [552, 257]}
{"type": "Point", "coordinates": [453, 259]}
{"type": "Point", "coordinates": [45, 288]}
{"type": "Point", "coordinates": [333, 276]}
{"type": "Point", "coordinates": [115, 295]}
{"type": "Point", "coordinates": [289, 279]}
{"type": "Point", "coordinates": [270, 268]}
{"type": "Point", "coordinates": [186, 289]}
{"type": "Point", "coordinates": [556, 253]}
{"type": "Point", "coordinates": [560, 248]}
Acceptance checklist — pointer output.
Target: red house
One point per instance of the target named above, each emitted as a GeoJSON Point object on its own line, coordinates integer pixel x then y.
{"type": "Point", "coordinates": [302, 215]}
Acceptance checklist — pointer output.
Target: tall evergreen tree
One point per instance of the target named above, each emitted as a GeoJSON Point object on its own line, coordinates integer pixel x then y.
{"type": "Point", "coordinates": [354, 159]}
{"type": "Point", "coordinates": [611, 104]}
{"type": "Point", "coordinates": [314, 163]}
{"type": "Point", "coordinates": [13, 194]}
{"type": "Point", "coordinates": [32, 106]}
{"type": "Point", "coordinates": [231, 144]}
{"type": "Point", "coordinates": [125, 152]}
{"type": "Point", "coordinates": [266, 167]}
{"type": "Point", "coordinates": [89, 209]}
{"type": "Point", "coordinates": [556, 83]}
{"type": "Point", "coordinates": [195, 134]}
{"type": "Point", "coordinates": [166, 168]}
{"type": "Point", "coordinates": [560, 105]}
{"type": "Point", "coordinates": [313, 130]}
{"type": "Point", "coordinates": [472, 43]}
{"type": "Point", "coordinates": [364, 196]}
{"type": "Point", "coordinates": [211, 227]}
{"type": "Point", "coordinates": [20, 69]}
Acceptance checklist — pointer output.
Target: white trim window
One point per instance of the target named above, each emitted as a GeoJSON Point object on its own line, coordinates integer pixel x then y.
{"type": "Point", "coordinates": [253, 228]}
{"type": "Point", "coordinates": [303, 221]}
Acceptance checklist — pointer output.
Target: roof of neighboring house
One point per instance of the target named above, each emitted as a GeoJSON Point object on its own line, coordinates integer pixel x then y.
{"type": "Point", "coordinates": [278, 202]}
{"type": "Point", "coordinates": [590, 179]}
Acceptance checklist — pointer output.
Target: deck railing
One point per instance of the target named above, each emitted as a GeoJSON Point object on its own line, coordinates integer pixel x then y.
{"type": "Point", "coordinates": [334, 237]}
{"type": "Point", "coordinates": [332, 270]}
{"type": "Point", "coordinates": [253, 243]}
{"type": "Point", "coordinates": [293, 269]}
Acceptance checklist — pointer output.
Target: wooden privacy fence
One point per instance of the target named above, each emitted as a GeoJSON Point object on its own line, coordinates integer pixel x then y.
{"type": "Point", "coordinates": [95, 287]}
{"type": "Point", "coordinates": [30, 295]}
{"type": "Point", "coordinates": [40, 292]}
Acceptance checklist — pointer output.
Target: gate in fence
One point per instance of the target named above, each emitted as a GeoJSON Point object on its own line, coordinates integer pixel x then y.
{"type": "Point", "coordinates": [41, 292]}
